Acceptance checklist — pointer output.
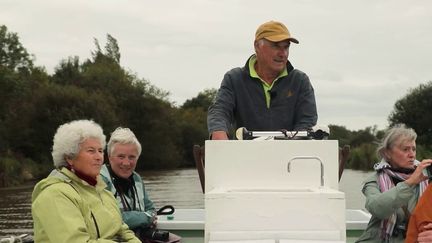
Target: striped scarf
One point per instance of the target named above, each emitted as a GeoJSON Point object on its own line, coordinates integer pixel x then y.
{"type": "Point", "coordinates": [385, 182]}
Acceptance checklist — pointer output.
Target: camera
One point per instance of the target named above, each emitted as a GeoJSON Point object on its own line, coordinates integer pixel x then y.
{"type": "Point", "coordinates": [428, 172]}
{"type": "Point", "coordinates": [155, 234]}
{"type": "Point", "coordinates": [400, 229]}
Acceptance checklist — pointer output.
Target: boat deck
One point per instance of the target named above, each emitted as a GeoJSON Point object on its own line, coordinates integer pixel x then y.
{"type": "Point", "coordinates": [190, 224]}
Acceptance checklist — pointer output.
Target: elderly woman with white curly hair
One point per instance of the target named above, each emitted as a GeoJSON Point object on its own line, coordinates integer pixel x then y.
{"type": "Point", "coordinates": [71, 204]}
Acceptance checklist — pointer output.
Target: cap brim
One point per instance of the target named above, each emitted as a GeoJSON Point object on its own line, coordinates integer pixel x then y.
{"type": "Point", "coordinates": [277, 38]}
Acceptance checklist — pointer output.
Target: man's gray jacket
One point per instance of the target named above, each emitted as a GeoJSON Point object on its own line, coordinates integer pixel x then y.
{"type": "Point", "coordinates": [240, 102]}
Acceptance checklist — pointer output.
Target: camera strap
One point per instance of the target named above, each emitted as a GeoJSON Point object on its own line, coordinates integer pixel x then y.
{"type": "Point", "coordinates": [166, 210]}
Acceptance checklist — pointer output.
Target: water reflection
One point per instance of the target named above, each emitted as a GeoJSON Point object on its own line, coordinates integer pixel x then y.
{"type": "Point", "coordinates": [180, 188]}
{"type": "Point", "coordinates": [351, 184]}
{"type": "Point", "coordinates": [15, 210]}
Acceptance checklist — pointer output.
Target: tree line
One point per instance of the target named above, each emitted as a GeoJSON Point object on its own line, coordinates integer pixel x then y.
{"type": "Point", "coordinates": [34, 103]}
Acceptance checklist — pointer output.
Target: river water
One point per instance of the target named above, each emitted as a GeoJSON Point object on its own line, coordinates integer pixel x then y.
{"type": "Point", "coordinates": [180, 188]}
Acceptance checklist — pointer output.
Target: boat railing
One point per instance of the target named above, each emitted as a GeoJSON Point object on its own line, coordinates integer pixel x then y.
{"type": "Point", "coordinates": [308, 158]}
{"type": "Point", "coordinates": [24, 238]}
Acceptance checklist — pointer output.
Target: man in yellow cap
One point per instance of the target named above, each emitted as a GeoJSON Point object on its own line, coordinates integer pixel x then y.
{"type": "Point", "coordinates": [267, 94]}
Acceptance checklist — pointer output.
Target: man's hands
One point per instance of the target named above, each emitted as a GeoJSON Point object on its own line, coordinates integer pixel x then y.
{"type": "Point", "coordinates": [219, 135]}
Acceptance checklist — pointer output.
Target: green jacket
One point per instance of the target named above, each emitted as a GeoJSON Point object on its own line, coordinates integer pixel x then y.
{"type": "Point", "coordinates": [67, 209]}
{"type": "Point", "coordinates": [382, 205]}
{"type": "Point", "coordinates": [134, 218]}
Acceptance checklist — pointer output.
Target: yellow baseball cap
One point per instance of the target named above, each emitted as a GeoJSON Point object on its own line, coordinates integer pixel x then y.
{"type": "Point", "coordinates": [274, 31]}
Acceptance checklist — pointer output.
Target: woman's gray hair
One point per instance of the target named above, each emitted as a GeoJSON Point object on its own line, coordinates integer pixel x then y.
{"type": "Point", "coordinates": [69, 136]}
{"type": "Point", "coordinates": [397, 133]}
{"type": "Point", "coordinates": [123, 136]}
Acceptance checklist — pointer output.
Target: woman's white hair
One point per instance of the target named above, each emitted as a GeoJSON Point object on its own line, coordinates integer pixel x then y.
{"type": "Point", "coordinates": [69, 136]}
{"type": "Point", "coordinates": [398, 133]}
{"type": "Point", "coordinates": [123, 136]}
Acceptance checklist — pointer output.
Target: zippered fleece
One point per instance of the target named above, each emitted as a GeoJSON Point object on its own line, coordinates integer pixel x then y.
{"type": "Point", "coordinates": [240, 102]}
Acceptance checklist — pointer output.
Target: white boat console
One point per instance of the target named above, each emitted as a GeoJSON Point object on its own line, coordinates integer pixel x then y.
{"type": "Point", "coordinates": [273, 191]}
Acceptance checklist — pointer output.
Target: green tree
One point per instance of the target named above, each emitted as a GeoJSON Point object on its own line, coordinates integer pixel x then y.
{"type": "Point", "coordinates": [13, 55]}
{"type": "Point", "coordinates": [193, 123]}
{"type": "Point", "coordinates": [203, 100]}
{"type": "Point", "coordinates": [32, 126]}
{"type": "Point", "coordinates": [423, 152]}
{"type": "Point", "coordinates": [15, 66]}
{"type": "Point", "coordinates": [68, 72]}
{"type": "Point", "coordinates": [112, 50]}
{"type": "Point", "coordinates": [363, 136]}
{"type": "Point", "coordinates": [363, 157]}
{"type": "Point", "coordinates": [340, 133]}
{"type": "Point", "coordinates": [193, 128]}
{"type": "Point", "coordinates": [414, 111]}
{"type": "Point", "coordinates": [19, 81]}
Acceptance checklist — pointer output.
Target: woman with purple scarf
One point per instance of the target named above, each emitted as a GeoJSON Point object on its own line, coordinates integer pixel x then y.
{"type": "Point", "coordinates": [393, 191]}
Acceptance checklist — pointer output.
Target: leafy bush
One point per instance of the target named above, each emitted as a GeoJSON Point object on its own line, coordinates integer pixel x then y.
{"type": "Point", "coordinates": [363, 157]}
{"type": "Point", "coordinates": [10, 171]}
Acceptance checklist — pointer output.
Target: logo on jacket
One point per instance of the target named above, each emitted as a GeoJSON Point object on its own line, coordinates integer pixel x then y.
{"type": "Point", "coordinates": [290, 93]}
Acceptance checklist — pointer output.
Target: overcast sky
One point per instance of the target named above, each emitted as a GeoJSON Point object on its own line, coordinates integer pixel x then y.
{"type": "Point", "coordinates": [361, 56]}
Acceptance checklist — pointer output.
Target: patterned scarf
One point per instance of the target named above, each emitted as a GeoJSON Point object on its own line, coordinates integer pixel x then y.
{"type": "Point", "coordinates": [385, 182]}
{"type": "Point", "coordinates": [125, 188]}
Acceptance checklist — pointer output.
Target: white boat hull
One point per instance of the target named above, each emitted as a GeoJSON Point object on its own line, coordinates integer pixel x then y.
{"type": "Point", "coordinates": [190, 224]}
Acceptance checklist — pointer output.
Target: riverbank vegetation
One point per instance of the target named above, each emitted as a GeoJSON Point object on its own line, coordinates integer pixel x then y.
{"type": "Point", "coordinates": [34, 103]}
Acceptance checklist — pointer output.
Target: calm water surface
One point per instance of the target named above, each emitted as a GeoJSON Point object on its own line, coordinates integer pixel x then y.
{"type": "Point", "coordinates": [180, 188]}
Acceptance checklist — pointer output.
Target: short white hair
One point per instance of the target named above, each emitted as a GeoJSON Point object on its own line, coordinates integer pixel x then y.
{"type": "Point", "coordinates": [69, 136]}
{"type": "Point", "coordinates": [123, 136]}
{"type": "Point", "coordinates": [398, 133]}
